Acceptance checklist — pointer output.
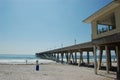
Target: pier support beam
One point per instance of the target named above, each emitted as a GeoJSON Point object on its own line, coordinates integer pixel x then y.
{"type": "Point", "coordinates": [88, 58]}
{"type": "Point", "coordinates": [75, 57]}
{"type": "Point", "coordinates": [54, 58]}
{"type": "Point", "coordinates": [62, 55]}
{"type": "Point", "coordinates": [72, 57]}
{"type": "Point", "coordinates": [81, 58]}
{"type": "Point", "coordinates": [57, 57]}
{"type": "Point", "coordinates": [107, 59]}
{"type": "Point", "coordinates": [95, 58]}
{"type": "Point", "coordinates": [118, 61]}
{"type": "Point", "coordinates": [51, 56]}
{"type": "Point", "coordinates": [100, 58]}
{"type": "Point", "coordinates": [67, 57]}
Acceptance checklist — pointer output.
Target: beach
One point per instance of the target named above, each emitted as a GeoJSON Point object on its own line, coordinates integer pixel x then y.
{"type": "Point", "coordinates": [51, 71]}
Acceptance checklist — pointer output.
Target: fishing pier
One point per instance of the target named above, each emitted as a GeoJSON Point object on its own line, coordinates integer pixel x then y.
{"type": "Point", "coordinates": [105, 25]}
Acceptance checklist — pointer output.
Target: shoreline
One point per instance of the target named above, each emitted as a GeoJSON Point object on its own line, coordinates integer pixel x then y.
{"type": "Point", "coordinates": [30, 64]}
{"type": "Point", "coordinates": [43, 61]}
{"type": "Point", "coordinates": [24, 61]}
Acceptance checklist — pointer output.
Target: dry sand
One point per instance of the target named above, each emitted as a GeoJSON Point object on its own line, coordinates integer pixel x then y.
{"type": "Point", "coordinates": [51, 72]}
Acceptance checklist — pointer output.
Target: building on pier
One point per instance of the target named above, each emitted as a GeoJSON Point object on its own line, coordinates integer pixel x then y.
{"type": "Point", "coordinates": [106, 33]}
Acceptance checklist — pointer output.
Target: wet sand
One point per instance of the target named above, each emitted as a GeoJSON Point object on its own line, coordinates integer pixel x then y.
{"type": "Point", "coordinates": [53, 71]}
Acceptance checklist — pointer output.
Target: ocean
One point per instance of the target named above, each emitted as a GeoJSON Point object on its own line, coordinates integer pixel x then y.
{"type": "Point", "coordinates": [31, 59]}
{"type": "Point", "coordinates": [21, 59]}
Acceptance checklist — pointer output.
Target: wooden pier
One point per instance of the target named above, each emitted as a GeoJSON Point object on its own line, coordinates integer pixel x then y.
{"type": "Point", "coordinates": [104, 39]}
{"type": "Point", "coordinates": [70, 53]}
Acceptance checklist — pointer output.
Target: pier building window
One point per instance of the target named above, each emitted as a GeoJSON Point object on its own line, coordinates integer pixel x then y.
{"type": "Point", "coordinates": [106, 24]}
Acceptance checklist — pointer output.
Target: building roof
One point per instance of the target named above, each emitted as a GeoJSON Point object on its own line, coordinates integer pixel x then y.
{"type": "Point", "coordinates": [102, 11]}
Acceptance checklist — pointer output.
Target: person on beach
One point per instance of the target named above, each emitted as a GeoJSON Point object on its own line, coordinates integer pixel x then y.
{"type": "Point", "coordinates": [26, 61]}
{"type": "Point", "coordinates": [37, 65]}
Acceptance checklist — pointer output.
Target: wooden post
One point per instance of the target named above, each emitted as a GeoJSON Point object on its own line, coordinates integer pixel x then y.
{"type": "Point", "coordinates": [69, 57]}
{"type": "Point", "coordinates": [110, 62]}
{"type": "Point", "coordinates": [95, 59]}
{"type": "Point", "coordinates": [100, 58]}
{"type": "Point", "coordinates": [57, 57]}
{"type": "Point", "coordinates": [62, 54]}
{"type": "Point", "coordinates": [81, 58]}
{"type": "Point", "coordinates": [53, 56]}
{"type": "Point", "coordinates": [66, 57]}
{"type": "Point", "coordinates": [118, 61]}
{"type": "Point", "coordinates": [75, 57]}
{"type": "Point", "coordinates": [107, 59]}
{"type": "Point", "coordinates": [87, 57]}
{"type": "Point", "coordinates": [72, 57]}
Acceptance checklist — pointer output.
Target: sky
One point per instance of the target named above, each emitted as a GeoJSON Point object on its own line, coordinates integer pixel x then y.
{"type": "Point", "coordinates": [31, 26]}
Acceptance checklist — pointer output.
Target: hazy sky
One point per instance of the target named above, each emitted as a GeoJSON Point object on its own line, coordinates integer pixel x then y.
{"type": "Point", "coordinates": [30, 26]}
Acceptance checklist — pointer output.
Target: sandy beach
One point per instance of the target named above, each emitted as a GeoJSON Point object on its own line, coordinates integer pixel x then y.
{"type": "Point", "coordinates": [54, 71]}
